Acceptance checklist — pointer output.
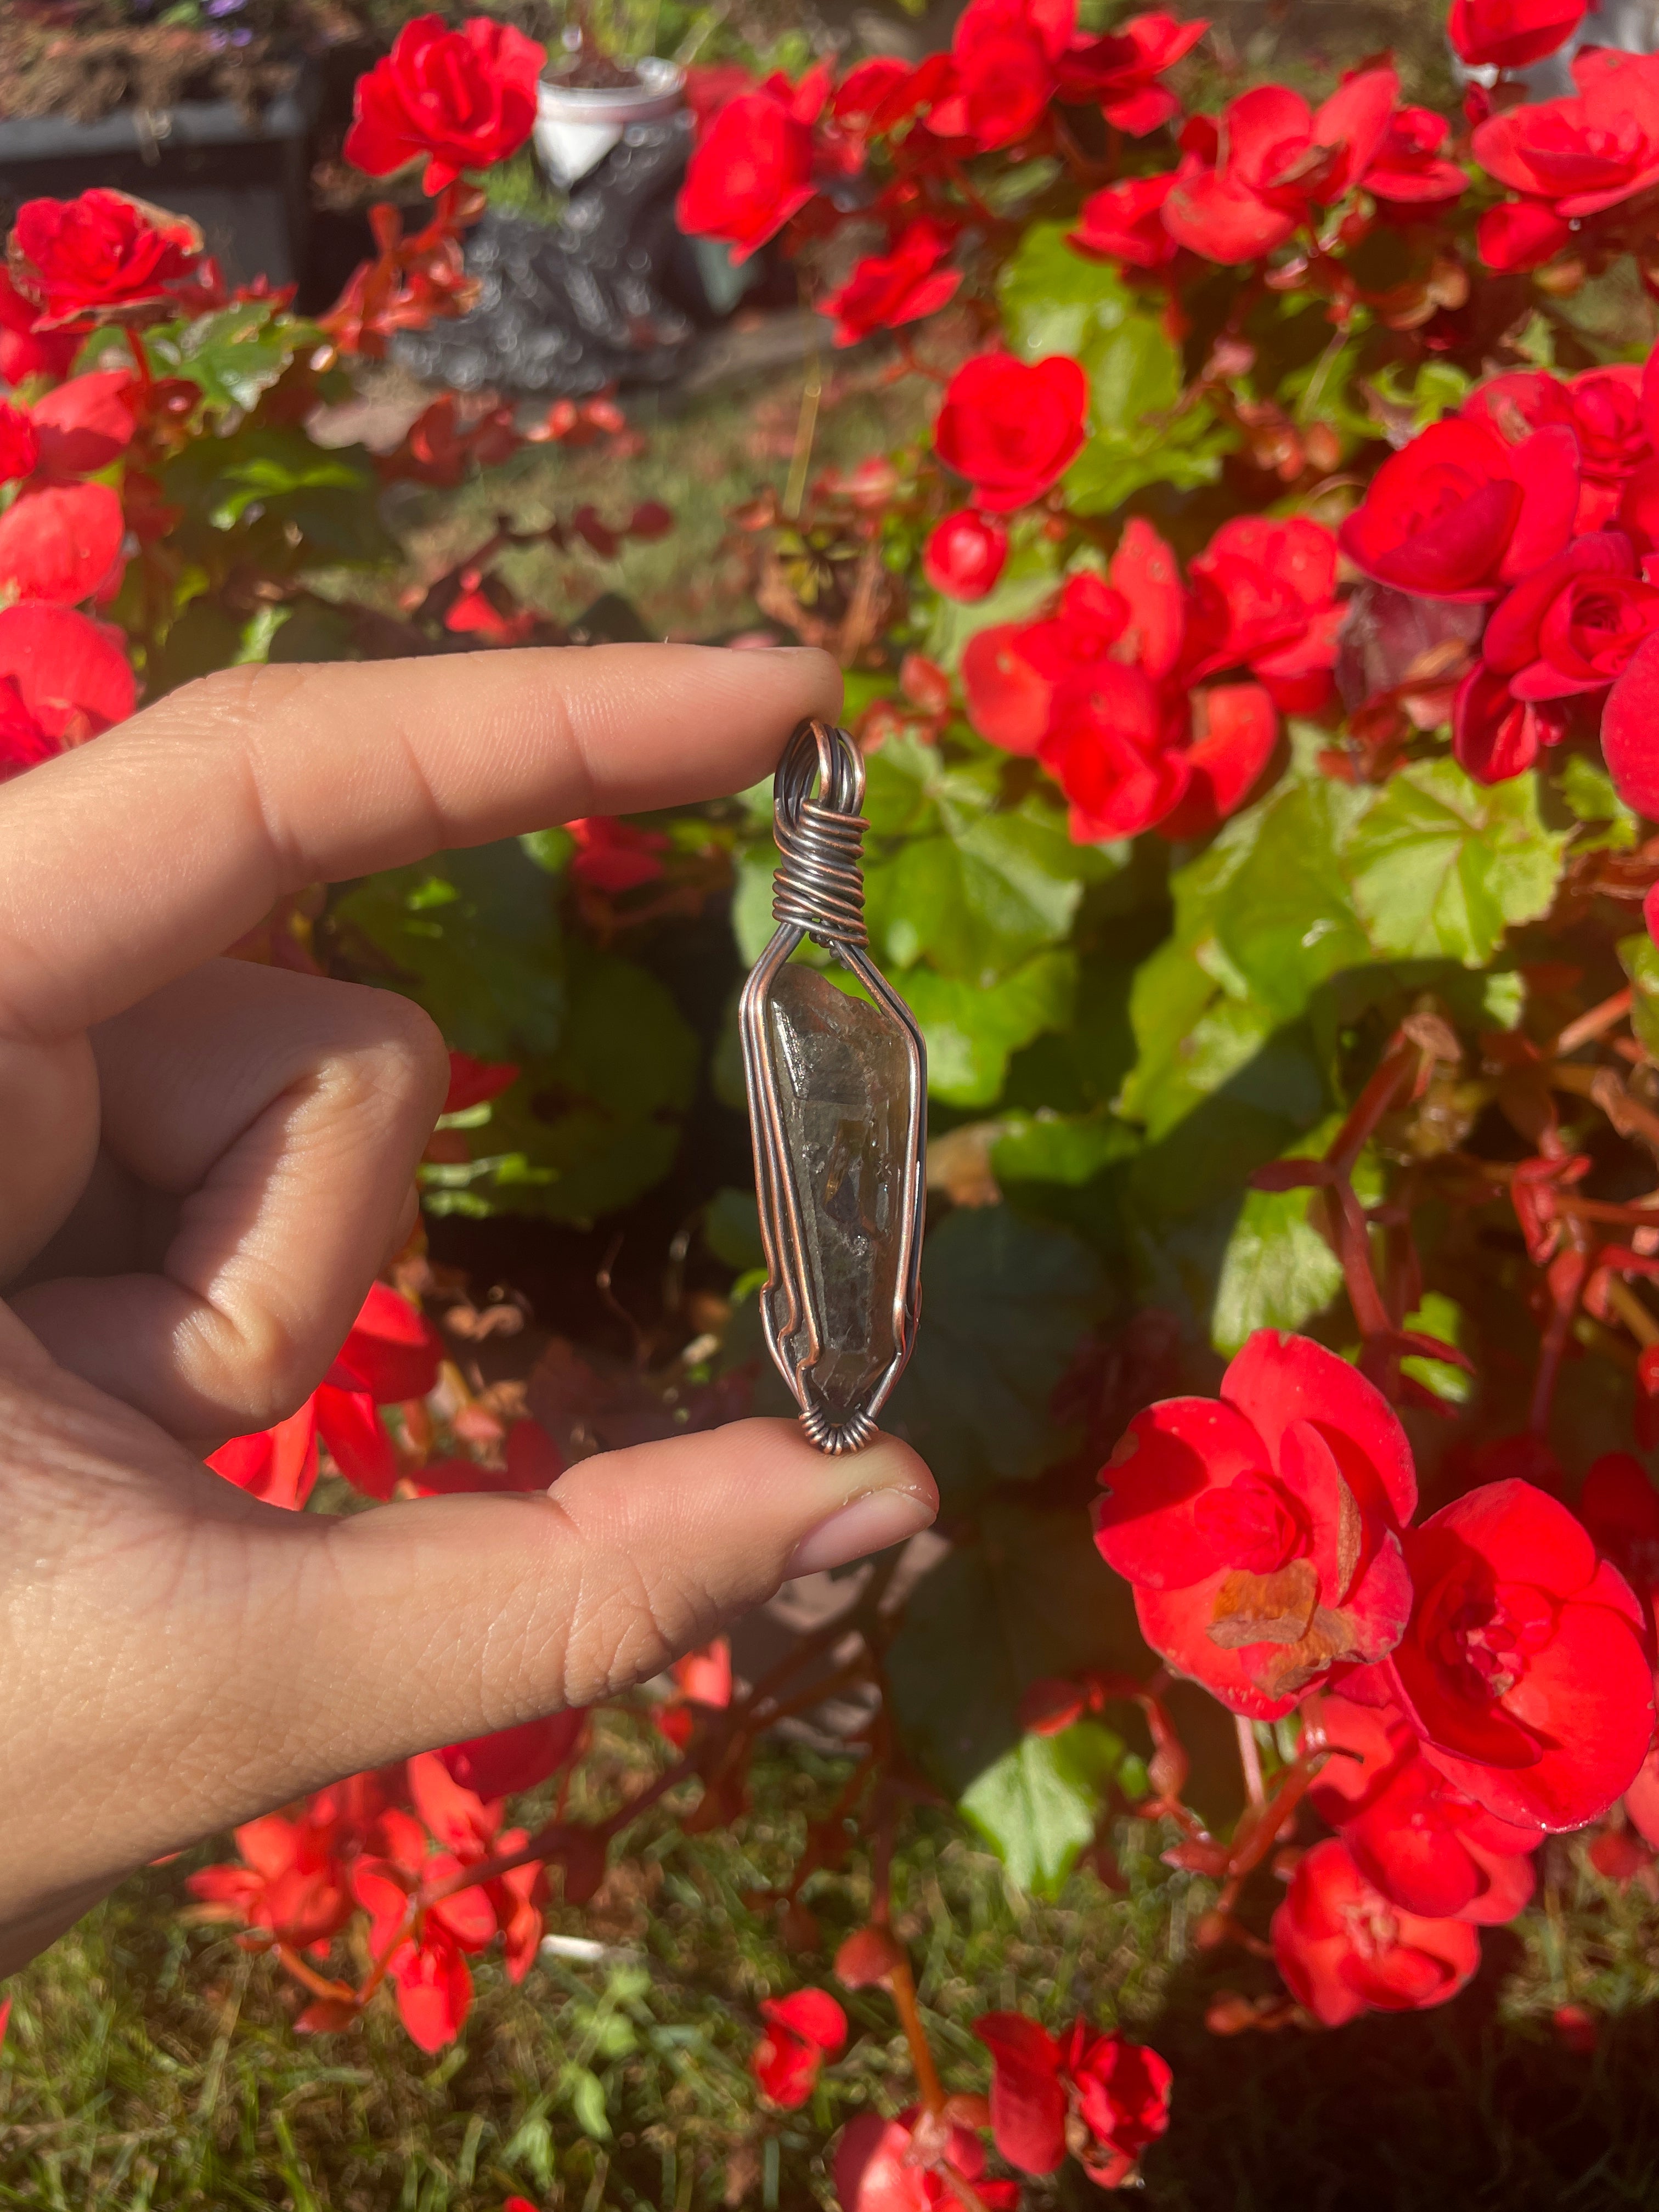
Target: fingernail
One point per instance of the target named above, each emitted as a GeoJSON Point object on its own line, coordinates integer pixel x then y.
{"type": "Point", "coordinates": [865, 1524]}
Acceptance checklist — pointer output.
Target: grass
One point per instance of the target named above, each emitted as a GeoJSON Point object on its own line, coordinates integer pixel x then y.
{"type": "Point", "coordinates": [152, 2064]}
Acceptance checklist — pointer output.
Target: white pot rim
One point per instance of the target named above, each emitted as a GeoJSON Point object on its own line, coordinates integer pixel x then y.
{"type": "Point", "coordinates": [660, 86]}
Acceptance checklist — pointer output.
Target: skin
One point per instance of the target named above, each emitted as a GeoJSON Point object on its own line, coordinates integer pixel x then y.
{"type": "Point", "coordinates": [206, 1163]}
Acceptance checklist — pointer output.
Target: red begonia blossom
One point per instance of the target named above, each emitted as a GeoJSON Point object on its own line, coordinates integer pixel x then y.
{"type": "Point", "coordinates": [964, 555]}
{"type": "Point", "coordinates": [1460, 512]}
{"type": "Point", "coordinates": [534, 1462]}
{"type": "Point", "coordinates": [1250, 181]}
{"type": "Point", "coordinates": [1507, 34]}
{"type": "Point", "coordinates": [901, 286]}
{"type": "Point", "coordinates": [391, 1355]}
{"type": "Point", "coordinates": [753, 169]}
{"type": "Point", "coordinates": [615, 856]}
{"type": "Point", "coordinates": [104, 256]}
{"type": "Point", "coordinates": [514, 1758]}
{"type": "Point", "coordinates": [1588, 152]}
{"type": "Point", "coordinates": [1619, 1507]}
{"type": "Point", "coordinates": [291, 1883]}
{"type": "Point", "coordinates": [1519, 235]}
{"type": "Point", "coordinates": [1410, 168]}
{"type": "Point", "coordinates": [1120, 68]}
{"type": "Point", "coordinates": [1614, 430]}
{"type": "Point", "coordinates": [906, 2165]}
{"type": "Point", "coordinates": [83, 425]}
{"type": "Point", "coordinates": [1575, 622]}
{"type": "Point", "coordinates": [1107, 747]}
{"type": "Point", "coordinates": [475, 1082]}
{"type": "Point", "coordinates": [62, 543]}
{"type": "Point", "coordinates": [1344, 1949]}
{"type": "Point", "coordinates": [1260, 1529]}
{"type": "Point", "coordinates": [1012, 428]}
{"type": "Point", "coordinates": [1235, 729]}
{"type": "Point", "coordinates": [1421, 1842]}
{"type": "Point", "coordinates": [1125, 223]}
{"type": "Point", "coordinates": [1496, 735]}
{"type": "Point", "coordinates": [25, 351]}
{"type": "Point", "coordinates": [278, 1466]}
{"type": "Point", "coordinates": [802, 2031]}
{"type": "Point", "coordinates": [1523, 1668]}
{"type": "Point", "coordinates": [463, 98]}
{"type": "Point", "coordinates": [1630, 732]}
{"type": "Point", "coordinates": [1265, 599]}
{"type": "Point", "coordinates": [425, 1967]}
{"type": "Point", "coordinates": [1099, 2096]}
{"type": "Point", "coordinates": [63, 679]}
{"type": "Point", "coordinates": [20, 444]}
{"type": "Point", "coordinates": [1003, 54]}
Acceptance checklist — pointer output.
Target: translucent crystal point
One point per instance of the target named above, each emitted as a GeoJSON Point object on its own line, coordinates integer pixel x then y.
{"type": "Point", "coordinates": [844, 1078]}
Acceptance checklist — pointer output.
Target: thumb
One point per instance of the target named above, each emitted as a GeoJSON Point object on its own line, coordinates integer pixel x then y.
{"type": "Point", "coordinates": [424, 1623]}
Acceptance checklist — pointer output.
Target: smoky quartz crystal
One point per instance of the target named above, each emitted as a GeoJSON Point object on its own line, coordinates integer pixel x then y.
{"type": "Point", "coordinates": [837, 1085]}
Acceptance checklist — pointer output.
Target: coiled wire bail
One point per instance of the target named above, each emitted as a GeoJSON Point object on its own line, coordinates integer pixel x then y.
{"type": "Point", "coordinates": [819, 885]}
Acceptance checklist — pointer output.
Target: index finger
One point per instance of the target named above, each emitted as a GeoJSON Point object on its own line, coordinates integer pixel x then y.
{"type": "Point", "coordinates": [127, 861]}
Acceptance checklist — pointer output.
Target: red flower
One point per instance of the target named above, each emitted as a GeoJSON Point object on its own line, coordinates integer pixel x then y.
{"type": "Point", "coordinates": [1107, 747]}
{"type": "Point", "coordinates": [753, 169]}
{"type": "Point", "coordinates": [802, 2030]}
{"type": "Point", "coordinates": [278, 1465]}
{"type": "Point", "coordinates": [904, 2165]}
{"type": "Point", "coordinates": [1107, 2098]}
{"type": "Point", "coordinates": [1423, 1844]}
{"type": "Point", "coordinates": [1523, 1667]}
{"type": "Point", "coordinates": [1266, 600]}
{"type": "Point", "coordinates": [1507, 34]}
{"type": "Point", "coordinates": [20, 447]}
{"type": "Point", "coordinates": [81, 426]}
{"type": "Point", "coordinates": [474, 1082]}
{"type": "Point", "coordinates": [1630, 732]}
{"type": "Point", "coordinates": [1575, 623]}
{"type": "Point", "coordinates": [1611, 424]}
{"type": "Point", "coordinates": [1621, 1508]}
{"type": "Point", "coordinates": [1125, 222]}
{"type": "Point", "coordinates": [100, 257]}
{"type": "Point", "coordinates": [391, 1355]}
{"type": "Point", "coordinates": [466, 98]}
{"type": "Point", "coordinates": [1520, 234]}
{"type": "Point", "coordinates": [1004, 54]}
{"type": "Point", "coordinates": [429, 1977]}
{"type": "Point", "coordinates": [1344, 1949]}
{"type": "Point", "coordinates": [1494, 734]}
{"type": "Point", "coordinates": [1247, 184]}
{"type": "Point", "coordinates": [900, 287]}
{"type": "Point", "coordinates": [25, 351]}
{"type": "Point", "coordinates": [1260, 1530]}
{"type": "Point", "coordinates": [63, 679]}
{"type": "Point", "coordinates": [1459, 512]}
{"type": "Point", "coordinates": [1119, 70]}
{"type": "Point", "coordinates": [291, 1881]}
{"type": "Point", "coordinates": [1010, 428]}
{"type": "Point", "coordinates": [614, 856]}
{"type": "Point", "coordinates": [514, 1758]}
{"type": "Point", "coordinates": [1235, 728]}
{"type": "Point", "coordinates": [963, 555]}
{"type": "Point", "coordinates": [62, 542]}
{"type": "Point", "coordinates": [1409, 169]}
{"type": "Point", "coordinates": [1589, 151]}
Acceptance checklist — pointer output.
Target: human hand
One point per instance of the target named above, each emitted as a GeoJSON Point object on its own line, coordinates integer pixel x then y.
{"type": "Point", "coordinates": [205, 1163]}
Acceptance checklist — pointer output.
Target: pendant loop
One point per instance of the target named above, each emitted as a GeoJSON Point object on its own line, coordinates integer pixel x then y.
{"type": "Point", "coordinates": [837, 1100]}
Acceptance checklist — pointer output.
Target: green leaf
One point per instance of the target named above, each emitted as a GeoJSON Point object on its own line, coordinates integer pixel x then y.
{"type": "Point", "coordinates": [235, 356]}
{"type": "Point", "coordinates": [1038, 1805]}
{"type": "Point", "coordinates": [267, 485]}
{"type": "Point", "coordinates": [1277, 1271]}
{"type": "Point", "coordinates": [731, 1227]}
{"type": "Point", "coordinates": [1587, 789]}
{"type": "Point", "coordinates": [1056, 300]}
{"type": "Point", "coordinates": [475, 937]}
{"type": "Point", "coordinates": [1063, 1148]}
{"type": "Point", "coordinates": [1640, 955]}
{"type": "Point", "coordinates": [952, 878]}
{"type": "Point", "coordinates": [1005, 1300]}
{"type": "Point", "coordinates": [1441, 1318]}
{"type": "Point", "coordinates": [1026, 1597]}
{"type": "Point", "coordinates": [971, 1028]}
{"type": "Point", "coordinates": [1442, 866]}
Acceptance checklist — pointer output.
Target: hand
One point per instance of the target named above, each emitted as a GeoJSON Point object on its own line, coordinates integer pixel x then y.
{"type": "Point", "coordinates": [204, 1163]}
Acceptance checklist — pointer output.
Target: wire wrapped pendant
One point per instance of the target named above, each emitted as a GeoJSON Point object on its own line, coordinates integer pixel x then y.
{"type": "Point", "coordinates": [837, 1096]}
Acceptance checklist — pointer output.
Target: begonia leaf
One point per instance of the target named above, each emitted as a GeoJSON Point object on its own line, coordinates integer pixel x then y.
{"type": "Point", "coordinates": [1037, 1806]}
